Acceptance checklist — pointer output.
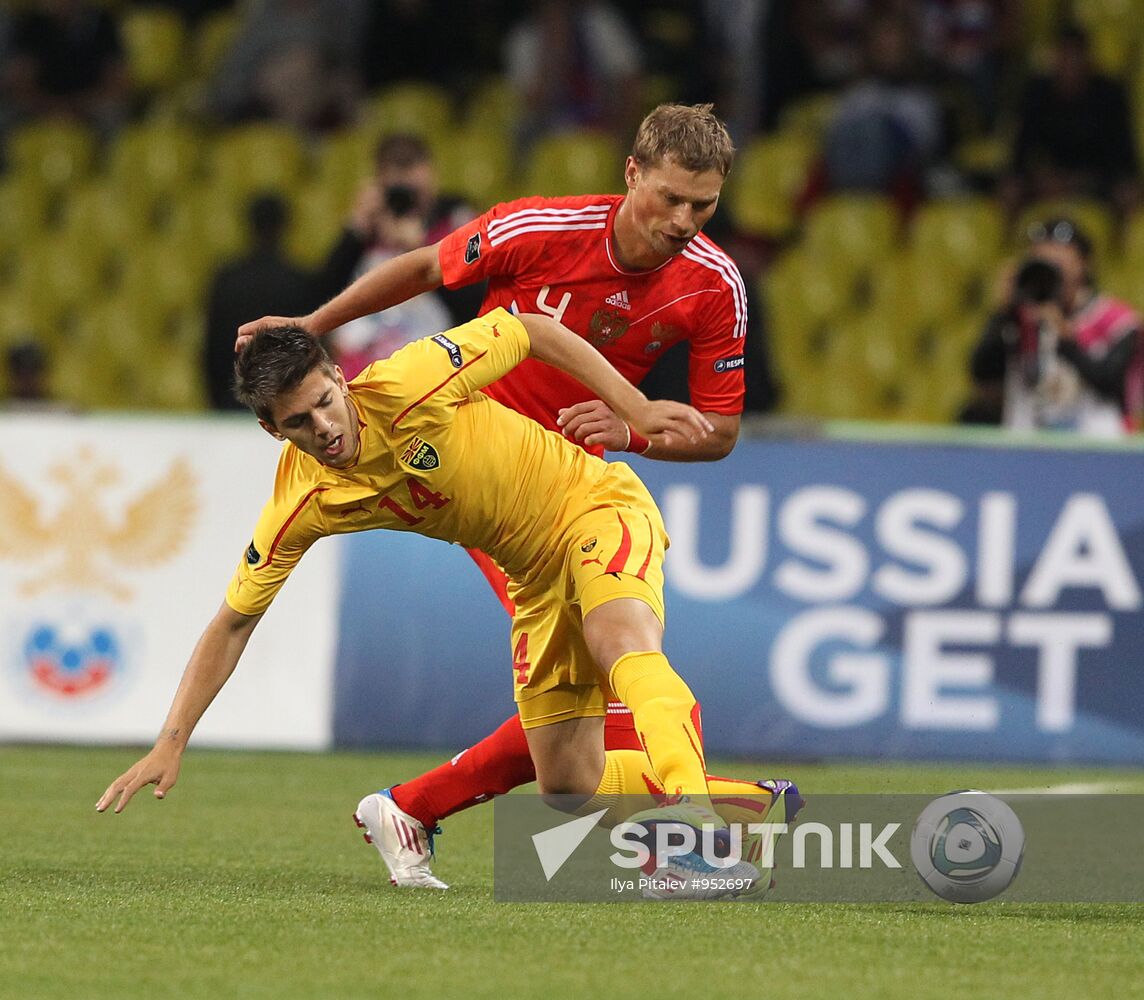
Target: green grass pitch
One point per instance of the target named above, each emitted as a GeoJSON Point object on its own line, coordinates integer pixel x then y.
{"type": "Point", "coordinates": [250, 881]}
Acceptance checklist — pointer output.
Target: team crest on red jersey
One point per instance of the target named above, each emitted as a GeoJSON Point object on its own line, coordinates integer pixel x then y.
{"type": "Point", "coordinates": [421, 455]}
{"type": "Point", "coordinates": [608, 326]}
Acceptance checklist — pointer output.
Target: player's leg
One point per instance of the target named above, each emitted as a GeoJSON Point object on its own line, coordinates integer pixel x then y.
{"type": "Point", "coordinates": [493, 766]}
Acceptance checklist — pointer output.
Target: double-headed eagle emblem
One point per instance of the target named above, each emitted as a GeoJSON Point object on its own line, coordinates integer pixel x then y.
{"type": "Point", "coordinates": [81, 546]}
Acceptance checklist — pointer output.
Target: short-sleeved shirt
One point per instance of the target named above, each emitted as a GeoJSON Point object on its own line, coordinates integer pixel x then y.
{"type": "Point", "coordinates": [557, 256]}
{"type": "Point", "coordinates": [437, 457]}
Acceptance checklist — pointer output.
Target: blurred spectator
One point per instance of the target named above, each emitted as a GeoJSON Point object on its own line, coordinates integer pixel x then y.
{"type": "Point", "coordinates": [27, 376]}
{"type": "Point", "coordinates": [1057, 353]}
{"type": "Point", "coordinates": [249, 287]}
{"type": "Point", "coordinates": [399, 208]}
{"type": "Point", "coordinates": [1075, 133]}
{"type": "Point", "coordinates": [574, 65]}
{"type": "Point", "coordinates": [456, 57]}
{"type": "Point", "coordinates": [292, 61]}
{"type": "Point", "coordinates": [887, 129]}
{"type": "Point", "coordinates": [66, 59]}
{"type": "Point", "coordinates": [968, 44]}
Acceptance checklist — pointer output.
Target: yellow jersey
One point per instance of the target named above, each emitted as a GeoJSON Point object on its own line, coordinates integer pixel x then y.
{"type": "Point", "coordinates": [436, 457]}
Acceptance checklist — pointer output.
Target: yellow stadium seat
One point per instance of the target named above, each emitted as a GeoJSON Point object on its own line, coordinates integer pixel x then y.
{"type": "Point", "coordinates": [24, 316]}
{"type": "Point", "coordinates": [210, 219]}
{"type": "Point", "coordinates": [212, 39]}
{"type": "Point", "coordinates": [24, 209]}
{"type": "Point", "coordinates": [168, 272]}
{"type": "Point", "coordinates": [251, 158]}
{"type": "Point", "coordinates": [1092, 216]}
{"type": "Point", "coordinates": [53, 153]}
{"type": "Point", "coordinates": [966, 233]}
{"type": "Point", "coordinates": [914, 291]}
{"type": "Point", "coordinates": [418, 108]}
{"type": "Point", "coordinates": [160, 158]}
{"type": "Point", "coordinates": [803, 303]}
{"type": "Point", "coordinates": [809, 115]}
{"type": "Point", "coordinates": [580, 162]}
{"type": "Point", "coordinates": [477, 165]}
{"type": "Point", "coordinates": [155, 42]}
{"type": "Point", "coordinates": [851, 232]}
{"type": "Point", "coordinates": [345, 161]}
{"type": "Point", "coordinates": [494, 108]}
{"type": "Point", "coordinates": [65, 274]}
{"type": "Point", "coordinates": [768, 176]}
{"type": "Point", "coordinates": [316, 219]}
{"type": "Point", "coordinates": [105, 215]}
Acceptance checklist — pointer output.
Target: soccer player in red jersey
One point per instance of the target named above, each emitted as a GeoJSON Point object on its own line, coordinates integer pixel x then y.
{"type": "Point", "coordinates": [633, 275]}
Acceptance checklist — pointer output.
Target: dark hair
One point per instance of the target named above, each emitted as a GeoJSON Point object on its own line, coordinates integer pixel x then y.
{"type": "Point", "coordinates": [402, 150]}
{"type": "Point", "coordinates": [275, 361]}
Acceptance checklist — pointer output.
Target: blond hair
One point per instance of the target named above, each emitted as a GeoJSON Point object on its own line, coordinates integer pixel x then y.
{"type": "Point", "coordinates": [688, 134]}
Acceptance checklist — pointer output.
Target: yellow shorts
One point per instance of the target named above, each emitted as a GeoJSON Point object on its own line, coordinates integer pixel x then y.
{"type": "Point", "coordinates": [614, 551]}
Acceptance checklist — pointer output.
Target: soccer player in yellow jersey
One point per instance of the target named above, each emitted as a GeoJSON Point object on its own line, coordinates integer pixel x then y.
{"type": "Point", "coordinates": [412, 444]}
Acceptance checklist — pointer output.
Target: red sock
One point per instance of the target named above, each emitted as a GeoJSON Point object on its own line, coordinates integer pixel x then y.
{"type": "Point", "coordinates": [497, 764]}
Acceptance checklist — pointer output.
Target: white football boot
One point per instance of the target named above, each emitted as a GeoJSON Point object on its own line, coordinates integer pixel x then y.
{"type": "Point", "coordinates": [404, 844]}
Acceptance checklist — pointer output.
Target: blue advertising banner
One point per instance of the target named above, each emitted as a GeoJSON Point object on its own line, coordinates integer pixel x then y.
{"type": "Point", "coordinates": [825, 598]}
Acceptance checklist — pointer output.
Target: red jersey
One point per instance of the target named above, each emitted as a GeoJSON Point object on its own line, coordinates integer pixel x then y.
{"type": "Point", "coordinates": [557, 256]}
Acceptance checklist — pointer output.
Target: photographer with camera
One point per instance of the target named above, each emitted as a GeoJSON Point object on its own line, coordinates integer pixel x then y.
{"type": "Point", "coordinates": [1058, 354]}
{"type": "Point", "coordinates": [399, 208]}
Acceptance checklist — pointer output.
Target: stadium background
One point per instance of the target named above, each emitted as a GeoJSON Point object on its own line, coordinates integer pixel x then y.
{"type": "Point", "coordinates": [868, 307]}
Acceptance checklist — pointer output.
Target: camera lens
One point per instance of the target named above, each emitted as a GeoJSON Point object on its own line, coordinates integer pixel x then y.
{"type": "Point", "coordinates": [1037, 282]}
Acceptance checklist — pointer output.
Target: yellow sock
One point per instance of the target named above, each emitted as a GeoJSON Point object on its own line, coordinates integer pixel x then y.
{"type": "Point", "coordinates": [628, 786]}
{"type": "Point", "coordinates": [667, 720]}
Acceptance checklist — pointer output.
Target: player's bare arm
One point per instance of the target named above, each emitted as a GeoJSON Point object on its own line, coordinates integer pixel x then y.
{"type": "Point", "coordinates": [213, 661]}
{"type": "Point", "coordinates": [390, 282]}
{"type": "Point", "coordinates": [592, 423]}
{"type": "Point", "coordinates": [657, 420]}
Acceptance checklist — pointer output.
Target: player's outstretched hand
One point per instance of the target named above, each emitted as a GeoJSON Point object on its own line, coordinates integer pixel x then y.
{"type": "Point", "coordinates": [247, 331]}
{"type": "Point", "coordinates": [662, 419]}
{"type": "Point", "coordinates": [593, 423]}
{"type": "Point", "coordinates": [160, 768]}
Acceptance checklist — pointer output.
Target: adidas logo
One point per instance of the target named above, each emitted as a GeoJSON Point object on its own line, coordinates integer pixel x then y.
{"type": "Point", "coordinates": [620, 299]}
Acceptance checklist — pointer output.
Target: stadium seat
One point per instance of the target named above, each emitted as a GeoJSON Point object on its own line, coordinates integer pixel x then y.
{"type": "Point", "coordinates": [155, 42]}
{"type": "Point", "coordinates": [251, 158]}
{"type": "Point", "coordinates": [966, 233]}
{"type": "Point", "coordinates": [169, 272]}
{"type": "Point", "coordinates": [211, 41]}
{"type": "Point", "coordinates": [345, 160]}
{"type": "Point", "coordinates": [24, 209]}
{"type": "Point", "coordinates": [477, 164]}
{"type": "Point", "coordinates": [915, 290]}
{"type": "Point", "coordinates": [809, 115]}
{"type": "Point", "coordinates": [54, 153]}
{"type": "Point", "coordinates": [803, 303]}
{"type": "Point", "coordinates": [1092, 216]}
{"type": "Point", "coordinates": [419, 108]}
{"type": "Point", "coordinates": [768, 176]}
{"type": "Point", "coordinates": [24, 316]}
{"type": "Point", "coordinates": [102, 214]}
{"type": "Point", "coordinates": [317, 216]}
{"type": "Point", "coordinates": [64, 273]}
{"type": "Point", "coordinates": [851, 233]}
{"type": "Point", "coordinates": [211, 220]}
{"type": "Point", "coordinates": [158, 159]}
{"type": "Point", "coordinates": [580, 162]}
{"type": "Point", "coordinates": [494, 108]}
{"type": "Point", "coordinates": [1114, 32]}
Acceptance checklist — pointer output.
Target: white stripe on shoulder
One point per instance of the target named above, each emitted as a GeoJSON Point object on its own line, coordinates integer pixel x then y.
{"type": "Point", "coordinates": [710, 256]}
{"type": "Point", "coordinates": [544, 227]}
{"type": "Point", "coordinates": [513, 218]}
